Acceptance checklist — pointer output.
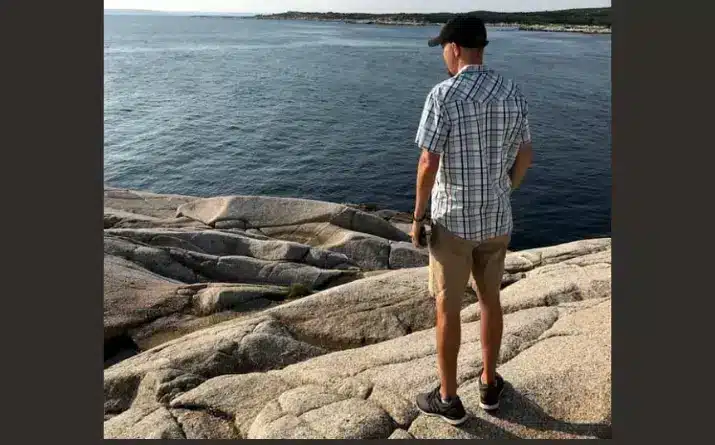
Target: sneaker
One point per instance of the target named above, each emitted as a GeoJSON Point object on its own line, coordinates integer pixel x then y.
{"type": "Point", "coordinates": [451, 412]}
{"type": "Point", "coordinates": [489, 394]}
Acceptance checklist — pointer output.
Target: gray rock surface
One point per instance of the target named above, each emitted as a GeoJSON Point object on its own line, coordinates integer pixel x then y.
{"type": "Point", "coordinates": [559, 386]}
{"type": "Point", "coordinates": [370, 252]}
{"type": "Point", "coordinates": [146, 416]}
{"type": "Point", "coordinates": [233, 347]}
{"type": "Point", "coordinates": [575, 279]}
{"type": "Point", "coordinates": [144, 203]}
{"type": "Point", "coordinates": [345, 362]}
{"type": "Point", "coordinates": [120, 219]}
{"type": "Point", "coordinates": [525, 260]}
{"type": "Point", "coordinates": [259, 212]}
{"type": "Point", "coordinates": [197, 424]}
{"type": "Point", "coordinates": [219, 297]}
{"type": "Point", "coordinates": [239, 397]}
{"type": "Point", "coordinates": [363, 312]}
{"type": "Point", "coordinates": [190, 266]}
{"type": "Point", "coordinates": [210, 304]}
{"type": "Point", "coordinates": [404, 255]}
{"type": "Point", "coordinates": [134, 296]}
{"type": "Point", "coordinates": [152, 259]}
{"type": "Point", "coordinates": [223, 243]}
{"type": "Point", "coordinates": [142, 304]}
{"type": "Point", "coordinates": [313, 411]}
{"type": "Point", "coordinates": [400, 434]}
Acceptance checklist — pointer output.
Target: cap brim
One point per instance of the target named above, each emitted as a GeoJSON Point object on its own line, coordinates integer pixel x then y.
{"type": "Point", "coordinates": [434, 41]}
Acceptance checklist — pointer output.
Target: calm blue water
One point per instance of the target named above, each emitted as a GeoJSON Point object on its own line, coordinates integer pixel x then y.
{"type": "Point", "coordinates": [212, 106]}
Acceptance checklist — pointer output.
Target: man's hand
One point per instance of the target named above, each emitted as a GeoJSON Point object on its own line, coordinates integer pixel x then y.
{"type": "Point", "coordinates": [417, 234]}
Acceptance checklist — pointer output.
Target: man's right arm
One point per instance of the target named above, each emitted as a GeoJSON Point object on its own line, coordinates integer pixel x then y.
{"type": "Point", "coordinates": [525, 152]}
{"type": "Point", "coordinates": [521, 164]}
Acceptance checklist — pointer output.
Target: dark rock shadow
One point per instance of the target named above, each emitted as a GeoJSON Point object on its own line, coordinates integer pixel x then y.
{"type": "Point", "coordinates": [515, 408]}
{"type": "Point", "coordinates": [482, 429]}
{"type": "Point", "coordinates": [119, 348]}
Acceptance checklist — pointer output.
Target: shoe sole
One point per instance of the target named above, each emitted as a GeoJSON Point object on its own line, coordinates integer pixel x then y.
{"type": "Point", "coordinates": [454, 422]}
{"type": "Point", "coordinates": [486, 407]}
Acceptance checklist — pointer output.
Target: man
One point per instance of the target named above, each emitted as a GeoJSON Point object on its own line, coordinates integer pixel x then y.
{"type": "Point", "coordinates": [476, 148]}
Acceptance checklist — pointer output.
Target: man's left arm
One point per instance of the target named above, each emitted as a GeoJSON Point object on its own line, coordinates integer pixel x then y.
{"type": "Point", "coordinates": [426, 173]}
{"type": "Point", "coordinates": [432, 136]}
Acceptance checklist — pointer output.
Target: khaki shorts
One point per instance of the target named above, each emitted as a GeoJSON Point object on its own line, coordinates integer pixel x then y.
{"type": "Point", "coordinates": [452, 259]}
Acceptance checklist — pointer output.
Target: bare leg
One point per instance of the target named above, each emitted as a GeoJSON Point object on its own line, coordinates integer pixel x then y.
{"type": "Point", "coordinates": [450, 264]}
{"type": "Point", "coordinates": [492, 326]}
{"type": "Point", "coordinates": [487, 273]}
{"type": "Point", "coordinates": [448, 341]}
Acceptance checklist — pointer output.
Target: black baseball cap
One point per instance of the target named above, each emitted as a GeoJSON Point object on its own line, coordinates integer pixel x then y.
{"type": "Point", "coordinates": [465, 30]}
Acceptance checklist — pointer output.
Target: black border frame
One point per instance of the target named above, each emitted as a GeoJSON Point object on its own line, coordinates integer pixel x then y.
{"type": "Point", "coordinates": [53, 92]}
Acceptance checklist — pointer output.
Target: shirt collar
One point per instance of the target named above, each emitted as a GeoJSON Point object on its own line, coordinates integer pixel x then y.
{"type": "Point", "coordinates": [475, 68]}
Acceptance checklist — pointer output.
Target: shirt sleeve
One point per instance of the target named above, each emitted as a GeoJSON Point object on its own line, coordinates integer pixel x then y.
{"type": "Point", "coordinates": [524, 135]}
{"type": "Point", "coordinates": [433, 131]}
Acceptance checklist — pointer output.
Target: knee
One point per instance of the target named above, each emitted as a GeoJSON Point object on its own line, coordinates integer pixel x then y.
{"type": "Point", "coordinates": [490, 302]}
{"type": "Point", "coordinates": [448, 307]}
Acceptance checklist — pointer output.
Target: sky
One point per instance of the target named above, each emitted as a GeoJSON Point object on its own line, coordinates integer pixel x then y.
{"type": "Point", "coordinates": [373, 6]}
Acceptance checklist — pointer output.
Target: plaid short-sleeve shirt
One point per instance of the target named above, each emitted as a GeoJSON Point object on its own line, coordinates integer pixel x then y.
{"type": "Point", "coordinates": [476, 121]}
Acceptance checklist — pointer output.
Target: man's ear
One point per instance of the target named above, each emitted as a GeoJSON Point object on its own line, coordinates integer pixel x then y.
{"type": "Point", "coordinates": [457, 50]}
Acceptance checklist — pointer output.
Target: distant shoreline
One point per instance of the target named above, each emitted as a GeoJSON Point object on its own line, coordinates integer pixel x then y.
{"type": "Point", "coordinates": [547, 27]}
{"type": "Point", "coordinates": [586, 21]}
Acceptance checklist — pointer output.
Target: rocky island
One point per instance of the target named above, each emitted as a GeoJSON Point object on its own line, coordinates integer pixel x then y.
{"type": "Point", "coordinates": [585, 20]}
{"type": "Point", "coordinates": [242, 317]}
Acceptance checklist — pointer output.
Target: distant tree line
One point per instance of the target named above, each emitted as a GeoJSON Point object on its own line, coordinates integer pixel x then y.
{"type": "Point", "coordinates": [585, 16]}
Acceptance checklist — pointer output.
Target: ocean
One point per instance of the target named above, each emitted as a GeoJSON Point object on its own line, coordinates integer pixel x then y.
{"type": "Point", "coordinates": [211, 106]}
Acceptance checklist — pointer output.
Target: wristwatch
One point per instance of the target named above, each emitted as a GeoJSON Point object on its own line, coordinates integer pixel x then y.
{"type": "Point", "coordinates": [420, 219]}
